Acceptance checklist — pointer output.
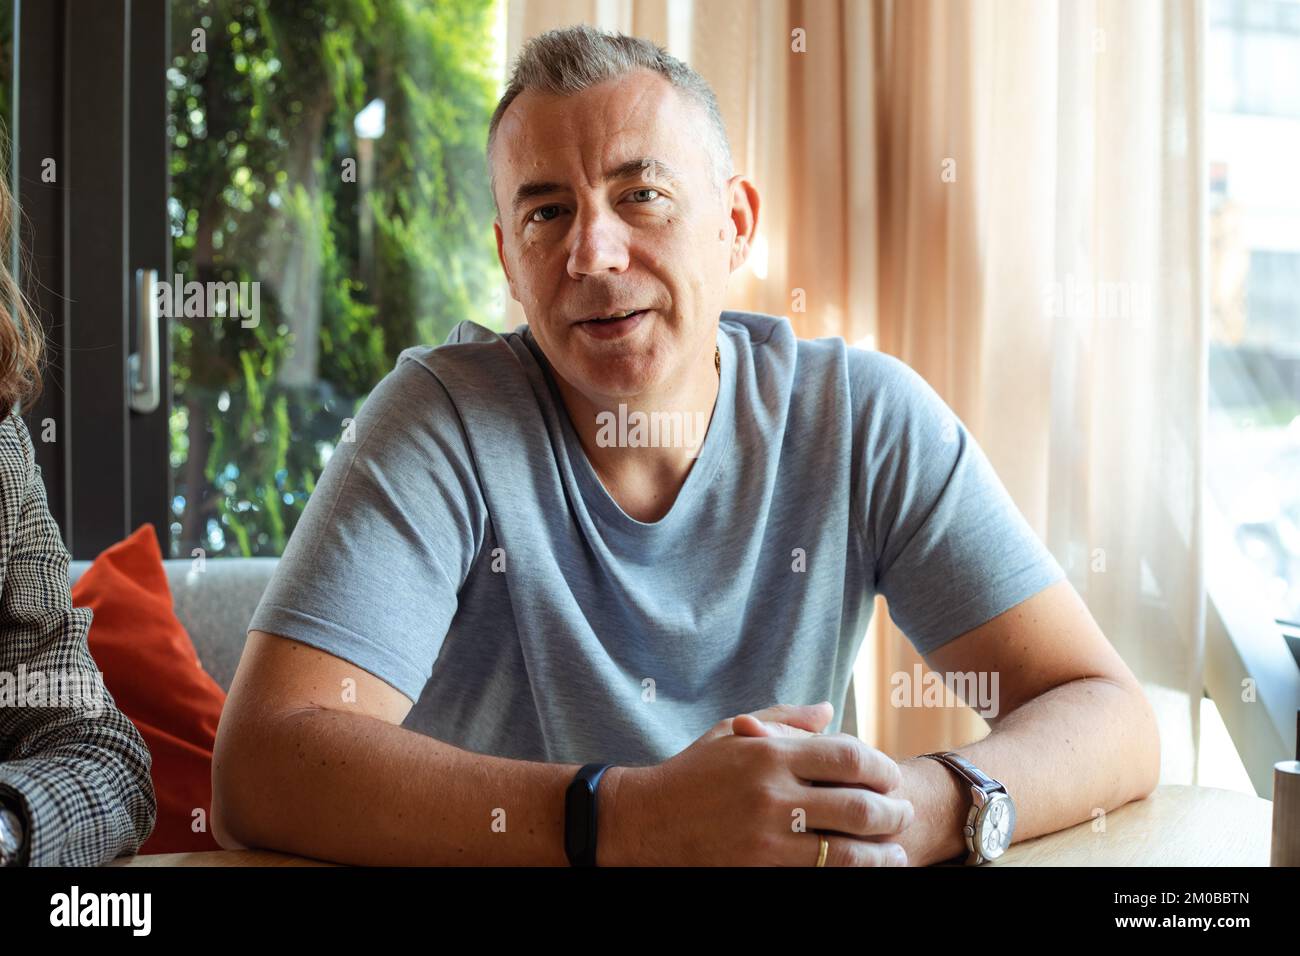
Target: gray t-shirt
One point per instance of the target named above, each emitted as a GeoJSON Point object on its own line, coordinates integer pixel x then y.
{"type": "Point", "coordinates": [462, 548]}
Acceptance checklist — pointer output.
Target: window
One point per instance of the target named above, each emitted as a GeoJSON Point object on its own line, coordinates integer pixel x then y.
{"type": "Point", "coordinates": [1253, 138]}
{"type": "Point", "coordinates": [326, 159]}
{"type": "Point", "coordinates": [1252, 54]}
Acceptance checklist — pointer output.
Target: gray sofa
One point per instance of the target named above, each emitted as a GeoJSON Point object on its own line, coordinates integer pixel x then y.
{"type": "Point", "coordinates": [216, 604]}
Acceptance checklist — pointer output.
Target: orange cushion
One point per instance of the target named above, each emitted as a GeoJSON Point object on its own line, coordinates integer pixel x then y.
{"type": "Point", "coordinates": [153, 672]}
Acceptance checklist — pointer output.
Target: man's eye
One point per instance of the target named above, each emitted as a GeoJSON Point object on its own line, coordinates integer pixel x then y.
{"type": "Point", "coordinates": [637, 192]}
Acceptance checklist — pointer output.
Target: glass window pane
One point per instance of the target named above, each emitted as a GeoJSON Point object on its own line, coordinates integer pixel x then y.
{"type": "Point", "coordinates": [329, 207]}
{"type": "Point", "coordinates": [1253, 137]}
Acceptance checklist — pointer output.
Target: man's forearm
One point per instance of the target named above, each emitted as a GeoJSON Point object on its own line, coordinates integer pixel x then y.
{"type": "Point", "coordinates": [1083, 746]}
{"type": "Point", "coordinates": [354, 789]}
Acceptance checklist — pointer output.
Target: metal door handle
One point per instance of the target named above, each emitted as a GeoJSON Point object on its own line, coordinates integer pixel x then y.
{"type": "Point", "coordinates": [144, 373]}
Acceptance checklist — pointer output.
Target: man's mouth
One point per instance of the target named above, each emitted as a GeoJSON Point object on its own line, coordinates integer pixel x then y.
{"type": "Point", "coordinates": [613, 317]}
{"type": "Point", "coordinates": [614, 326]}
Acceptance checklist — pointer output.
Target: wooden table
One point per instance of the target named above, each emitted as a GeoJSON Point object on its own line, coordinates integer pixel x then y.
{"type": "Point", "coordinates": [1175, 826]}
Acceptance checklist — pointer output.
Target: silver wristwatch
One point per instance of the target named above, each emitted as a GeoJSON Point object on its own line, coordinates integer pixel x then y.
{"type": "Point", "coordinates": [12, 836]}
{"type": "Point", "coordinates": [992, 817]}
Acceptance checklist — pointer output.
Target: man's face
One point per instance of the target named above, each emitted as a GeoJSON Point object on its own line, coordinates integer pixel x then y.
{"type": "Point", "coordinates": [655, 236]}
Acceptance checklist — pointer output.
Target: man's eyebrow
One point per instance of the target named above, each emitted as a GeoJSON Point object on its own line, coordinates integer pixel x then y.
{"type": "Point", "coordinates": [657, 169]}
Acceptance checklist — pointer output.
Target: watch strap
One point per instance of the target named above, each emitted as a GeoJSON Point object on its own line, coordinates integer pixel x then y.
{"type": "Point", "coordinates": [967, 770]}
{"type": "Point", "coordinates": [580, 815]}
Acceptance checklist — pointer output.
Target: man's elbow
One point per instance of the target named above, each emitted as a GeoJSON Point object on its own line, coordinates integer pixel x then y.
{"type": "Point", "coordinates": [234, 819]}
{"type": "Point", "coordinates": [1153, 760]}
{"type": "Point", "coordinates": [248, 774]}
{"type": "Point", "coordinates": [1145, 745]}
{"type": "Point", "coordinates": [223, 827]}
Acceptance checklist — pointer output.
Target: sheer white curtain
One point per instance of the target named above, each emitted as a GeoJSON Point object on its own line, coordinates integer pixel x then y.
{"type": "Point", "coordinates": [1006, 195]}
{"type": "Point", "coordinates": [1051, 287]}
{"type": "Point", "coordinates": [1129, 381]}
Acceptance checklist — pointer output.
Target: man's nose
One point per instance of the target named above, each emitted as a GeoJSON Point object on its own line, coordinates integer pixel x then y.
{"type": "Point", "coordinates": [598, 243]}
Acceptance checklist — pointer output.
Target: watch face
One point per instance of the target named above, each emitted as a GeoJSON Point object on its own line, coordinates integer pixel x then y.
{"type": "Point", "coordinates": [997, 823]}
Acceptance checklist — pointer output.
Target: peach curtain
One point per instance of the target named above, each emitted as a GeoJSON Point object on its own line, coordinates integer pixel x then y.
{"type": "Point", "coordinates": [1005, 194]}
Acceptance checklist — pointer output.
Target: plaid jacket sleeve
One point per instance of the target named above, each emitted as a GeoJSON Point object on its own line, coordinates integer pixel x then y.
{"type": "Point", "coordinates": [69, 758]}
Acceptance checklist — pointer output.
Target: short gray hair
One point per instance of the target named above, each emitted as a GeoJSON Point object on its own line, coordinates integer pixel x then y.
{"type": "Point", "coordinates": [571, 59]}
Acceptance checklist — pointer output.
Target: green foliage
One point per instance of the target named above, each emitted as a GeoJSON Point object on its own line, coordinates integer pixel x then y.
{"type": "Point", "coordinates": [261, 125]}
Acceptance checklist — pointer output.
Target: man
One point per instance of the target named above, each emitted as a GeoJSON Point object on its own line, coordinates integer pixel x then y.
{"type": "Point", "coordinates": [502, 541]}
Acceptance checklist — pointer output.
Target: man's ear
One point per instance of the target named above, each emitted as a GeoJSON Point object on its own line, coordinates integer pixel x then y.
{"type": "Point", "coordinates": [743, 209]}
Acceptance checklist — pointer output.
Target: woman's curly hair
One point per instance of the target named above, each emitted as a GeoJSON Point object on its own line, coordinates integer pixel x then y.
{"type": "Point", "coordinates": [21, 338]}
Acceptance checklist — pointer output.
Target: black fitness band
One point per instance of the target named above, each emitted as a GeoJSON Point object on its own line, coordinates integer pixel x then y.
{"type": "Point", "coordinates": [580, 815]}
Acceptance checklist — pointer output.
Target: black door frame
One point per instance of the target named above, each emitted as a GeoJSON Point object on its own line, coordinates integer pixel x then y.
{"type": "Point", "coordinates": [91, 96]}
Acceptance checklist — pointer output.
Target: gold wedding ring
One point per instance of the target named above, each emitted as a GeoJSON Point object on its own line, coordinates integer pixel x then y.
{"type": "Point", "coordinates": [821, 856]}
